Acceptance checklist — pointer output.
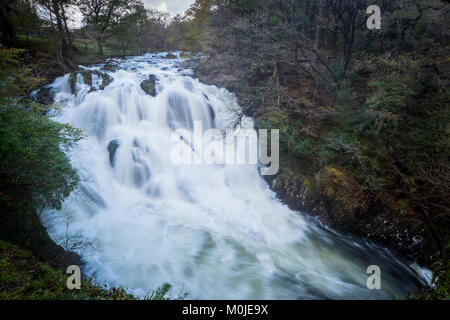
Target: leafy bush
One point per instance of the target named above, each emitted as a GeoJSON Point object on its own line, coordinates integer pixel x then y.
{"type": "Point", "coordinates": [32, 158]}
{"type": "Point", "coordinates": [303, 149]}
{"type": "Point", "coordinates": [15, 77]}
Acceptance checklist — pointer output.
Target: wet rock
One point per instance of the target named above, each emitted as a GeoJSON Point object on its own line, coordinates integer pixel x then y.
{"type": "Point", "coordinates": [87, 77]}
{"type": "Point", "coordinates": [149, 85]}
{"type": "Point", "coordinates": [112, 149]}
{"type": "Point", "coordinates": [110, 65]}
{"type": "Point", "coordinates": [72, 81]}
{"type": "Point", "coordinates": [106, 79]}
{"type": "Point", "coordinates": [44, 96]}
{"type": "Point", "coordinates": [170, 56]}
{"type": "Point", "coordinates": [191, 63]}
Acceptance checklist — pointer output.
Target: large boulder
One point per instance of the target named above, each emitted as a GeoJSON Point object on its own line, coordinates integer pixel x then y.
{"type": "Point", "coordinates": [149, 85]}
{"type": "Point", "coordinates": [170, 56]}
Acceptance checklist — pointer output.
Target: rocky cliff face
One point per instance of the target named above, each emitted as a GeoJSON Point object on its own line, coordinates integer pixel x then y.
{"type": "Point", "coordinates": [333, 203]}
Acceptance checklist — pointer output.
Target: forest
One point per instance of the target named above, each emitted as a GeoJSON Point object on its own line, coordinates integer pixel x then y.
{"type": "Point", "coordinates": [363, 113]}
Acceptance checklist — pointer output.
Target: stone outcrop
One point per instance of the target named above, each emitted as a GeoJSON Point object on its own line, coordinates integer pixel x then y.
{"type": "Point", "coordinates": [170, 56]}
{"type": "Point", "coordinates": [149, 85]}
{"type": "Point", "coordinates": [87, 78]}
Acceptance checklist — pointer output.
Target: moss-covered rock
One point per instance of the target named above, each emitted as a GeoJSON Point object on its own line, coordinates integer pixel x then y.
{"type": "Point", "coordinates": [87, 77]}
{"type": "Point", "coordinates": [72, 81]}
{"type": "Point", "coordinates": [106, 79]}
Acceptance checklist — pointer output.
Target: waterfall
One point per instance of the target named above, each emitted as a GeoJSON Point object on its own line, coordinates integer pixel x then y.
{"type": "Point", "coordinates": [215, 231]}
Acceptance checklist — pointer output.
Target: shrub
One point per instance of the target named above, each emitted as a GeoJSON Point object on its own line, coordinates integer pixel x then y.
{"type": "Point", "coordinates": [303, 149]}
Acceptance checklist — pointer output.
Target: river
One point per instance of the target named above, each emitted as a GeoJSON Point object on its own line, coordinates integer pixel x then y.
{"type": "Point", "coordinates": [216, 231]}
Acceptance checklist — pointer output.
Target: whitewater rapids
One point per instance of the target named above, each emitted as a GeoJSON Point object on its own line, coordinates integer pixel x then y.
{"type": "Point", "coordinates": [215, 231]}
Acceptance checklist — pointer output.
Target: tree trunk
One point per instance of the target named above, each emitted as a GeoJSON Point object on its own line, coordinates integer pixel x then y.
{"type": "Point", "coordinates": [64, 18]}
{"type": "Point", "coordinates": [99, 45]}
{"type": "Point", "coordinates": [9, 33]}
{"type": "Point", "coordinates": [59, 26]}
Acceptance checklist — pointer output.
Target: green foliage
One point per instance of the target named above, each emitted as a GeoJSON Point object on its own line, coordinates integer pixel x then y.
{"type": "Point", "coordinates": [393, 96]}
{"type": "Point", "coordinates": [440, 289]}
{"type": "Point", "coordinates": [244, 6]}
{"type": "Point", "coordinates": [24, 277]}
{"type": "Point", "coordinates": [15, 79]}
{"type": "Point", "coordinates": [32, 158]}
{"type": "Point", "coordinates": [165, 293]}
{"type": "Point", "coordinates": [303, 149]}
{"type": "Point", "coordinates": [292, 141]}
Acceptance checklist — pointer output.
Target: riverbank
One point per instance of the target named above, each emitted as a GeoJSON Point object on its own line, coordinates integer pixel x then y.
{"type": "Point", "coordinates": [25, 69]}
{"type": "Point", "coordinates": [33, 266]}
{"type": "Point", "coordinates": [329, 190]}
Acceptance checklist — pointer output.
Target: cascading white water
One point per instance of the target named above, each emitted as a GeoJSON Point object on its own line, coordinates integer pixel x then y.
{"type": "Point", "coordinates": [218, 231]}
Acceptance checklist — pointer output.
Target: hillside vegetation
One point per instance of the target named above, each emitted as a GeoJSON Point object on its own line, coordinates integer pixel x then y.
{"type": "Point", "coordinates": [363, 114]}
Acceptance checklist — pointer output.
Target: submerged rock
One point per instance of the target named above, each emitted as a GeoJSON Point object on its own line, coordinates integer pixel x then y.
{"type": "Point", "coordinates": [149, 85]}
{"type": "Point", "coordinates": [106, 79]}
{"type": "Point", "coordinates": [170, 56]}
{"type": "Point", "coordinates": [112, 149]}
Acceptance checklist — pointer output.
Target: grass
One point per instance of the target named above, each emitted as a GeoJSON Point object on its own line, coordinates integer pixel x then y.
{"type": "Point", "coordinates": [23, 277]}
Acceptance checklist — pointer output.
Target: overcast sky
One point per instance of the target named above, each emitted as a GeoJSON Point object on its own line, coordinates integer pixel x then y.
{"type": "Point", "coordinates": [174, 7]}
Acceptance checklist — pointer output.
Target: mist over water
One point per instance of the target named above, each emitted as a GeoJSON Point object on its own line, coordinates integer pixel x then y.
{"type": "Point", "coordinates": [216, 231]}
